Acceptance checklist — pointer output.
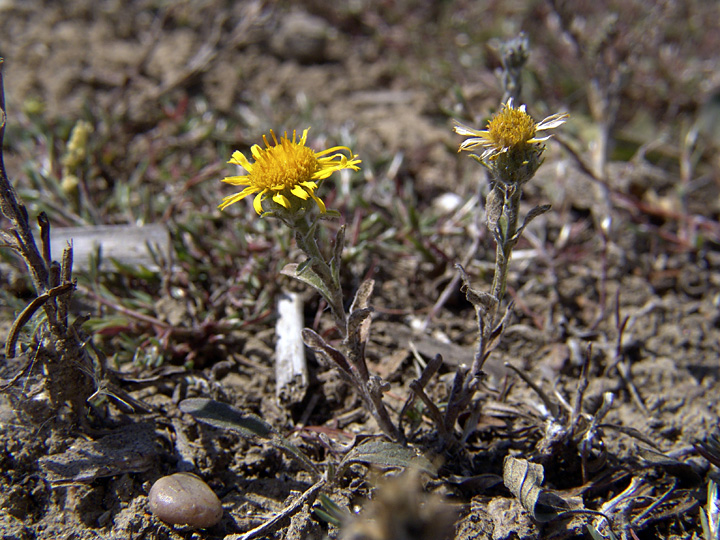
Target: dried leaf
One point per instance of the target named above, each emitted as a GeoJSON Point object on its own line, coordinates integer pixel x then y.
{"type": "Point", "coordinates": [494, 206]}
{"type": "Point", "coordinates": [358, 326]}
{"type": "Point", "coordinates": [550, 405]}
{"type": "Point", "coordinates": [476, 484]}
{"type": "Point", "coordinates": [631, 432]}
{"type": "Point", "coordinates": [685, 472]}
{"type": "Point", "coordinates": [358, 332]}
{"type": "Point", "coordinates": [362, 296]}
{"type": "Point", "coordinates": [483, 302]}
{"type": "Point", "coordinates": [709, 447]}
{"type": "Point", "coordinates": [524, 479]}
{"type": "Point", "coordinates": [337, 253]}
{"type": "Point", "coordinates": [325, 351]}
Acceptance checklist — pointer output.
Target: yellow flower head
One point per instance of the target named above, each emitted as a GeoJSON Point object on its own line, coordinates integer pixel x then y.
{"type": "Point", "coordinates": [286, 168]}
{"type": "Point", "coordinates": [510, 129]}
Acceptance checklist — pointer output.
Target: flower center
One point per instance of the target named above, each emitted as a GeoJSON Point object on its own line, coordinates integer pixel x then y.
{"type": "Point", "coordinates": [511, 127]}
{"type": "Point", "coordinates": [284, 166]}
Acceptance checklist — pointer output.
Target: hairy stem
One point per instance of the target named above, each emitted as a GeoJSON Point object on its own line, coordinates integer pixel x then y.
{"type": "Point", "coordinates": [306, 237]}
{"type": "Point", "coordinates": [505, 237]}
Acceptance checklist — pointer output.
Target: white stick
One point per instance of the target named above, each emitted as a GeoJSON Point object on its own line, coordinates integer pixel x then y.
{"type": "Point", "coordinates": [291, 373]}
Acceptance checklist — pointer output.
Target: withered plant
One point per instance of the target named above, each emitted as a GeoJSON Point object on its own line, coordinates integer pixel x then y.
{"type": "Point", "coordinates": [54, 349]}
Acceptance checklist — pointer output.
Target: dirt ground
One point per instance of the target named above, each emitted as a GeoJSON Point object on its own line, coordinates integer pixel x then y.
{"type": "Point", "coordinates": [623, 274]}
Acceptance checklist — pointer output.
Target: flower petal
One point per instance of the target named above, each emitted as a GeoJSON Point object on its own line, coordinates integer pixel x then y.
{"type": "Point", "coordinates": [469, 144]}
{"type": "Point", "coordinates": [257, 202]}
{"type": "Point", "coordinates": [236, 180]}
{"type": "Point", "coordinates": [303, 139]}
{"type": "Point", "coordinates": [232, 199]}
{"type": "Point", "coordinates": [319, 202]}
{"type": "Point", "coordinates": [552, 121]}
{"type": "Point", "coordinates": [462, 129]}
{"type": "Point", "coordinates": [299, 192]}
{"type": "Point", "coordinates": [333, 149]}
{"type": "Point", "coordinates": [238, 158]}
{"type": "Point", "coordinates": [257, 152]}
{"type": "Point", "coordinates": [281, 199]}
{"type": "Point", "coordinates": [539, 139]}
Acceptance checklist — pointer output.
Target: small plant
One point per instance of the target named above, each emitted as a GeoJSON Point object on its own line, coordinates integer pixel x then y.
{"type": "Point", "coordinates": [284, 178]}
{"type": "Point", "coordinates": [512, 153]}
{"type": "Point", "coordinates": [371, 451]}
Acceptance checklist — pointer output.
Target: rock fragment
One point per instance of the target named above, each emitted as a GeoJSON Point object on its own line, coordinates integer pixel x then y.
{"type": "Point", "coordinates": [185, 499]}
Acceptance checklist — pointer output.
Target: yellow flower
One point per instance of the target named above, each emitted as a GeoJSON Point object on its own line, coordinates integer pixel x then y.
{"type": "Point", "coordinates": [284, 169]}
{"type": "Point", "coordinates": [510, 129]}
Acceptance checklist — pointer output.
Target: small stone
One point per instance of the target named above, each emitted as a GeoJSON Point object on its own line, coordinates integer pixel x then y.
{"type": "Point", "coordinates": [185, 499]}
{"type": "Point", "coordinates": [302, 37]}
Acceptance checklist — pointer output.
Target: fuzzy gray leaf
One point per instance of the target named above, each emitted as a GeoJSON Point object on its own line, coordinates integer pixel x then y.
{"type": "Point", "coordinates": [497, 332]}
{"type": "Point", "coordinates": [387, 454]}
{"type": "Point", "coordinates": [535, 212]}
{"type": "Point", "coordinates": [304, 272]}
{"type": "Point", "coordinates": [224, 416]}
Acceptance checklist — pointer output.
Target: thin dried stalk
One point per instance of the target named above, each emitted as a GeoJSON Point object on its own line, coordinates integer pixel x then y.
{"type": "Point", "coordinates": [57, 346]}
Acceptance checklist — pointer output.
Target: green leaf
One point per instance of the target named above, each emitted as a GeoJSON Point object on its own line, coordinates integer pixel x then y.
{"type": "Point", "coordinates": [330, 511]}
{"type": "Point", "coordinates": [137, 271]}
{"type": "Point", "coordinates": [307, 275]}
{"type": "Point", "coordinates": [99, 324]}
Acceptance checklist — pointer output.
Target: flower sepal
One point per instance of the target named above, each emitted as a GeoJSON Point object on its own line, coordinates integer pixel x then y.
{"type": "Point", "coordinates": [298, 210]}
{"type": "Point", "coordinates": [331, 214]}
